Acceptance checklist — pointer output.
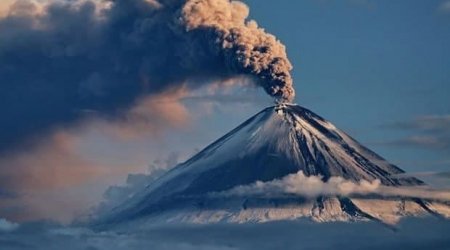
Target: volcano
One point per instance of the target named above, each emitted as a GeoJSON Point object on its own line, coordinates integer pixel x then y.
{"type": "Point", "coordinates": [277, 142]}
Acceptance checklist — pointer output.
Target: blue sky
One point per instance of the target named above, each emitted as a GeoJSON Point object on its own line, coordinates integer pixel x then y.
{"type": "Point", "coordinates": [367, 64]}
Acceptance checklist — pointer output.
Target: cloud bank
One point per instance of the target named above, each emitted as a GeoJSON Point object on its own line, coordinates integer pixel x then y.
{"type": "Point", "coordinates": [428, 233]}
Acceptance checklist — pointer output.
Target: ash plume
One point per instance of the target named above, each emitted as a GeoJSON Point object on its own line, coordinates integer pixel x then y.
{"type": "Point", "coordinates": [244, 47]}
{"type": "Point", "coordinates": [62, 57]}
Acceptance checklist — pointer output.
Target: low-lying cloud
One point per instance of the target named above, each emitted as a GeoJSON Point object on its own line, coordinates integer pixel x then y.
{"type": "Point", "coordinates": [427, 233]}
{"type": "Point", "coordinates": [314, 186]}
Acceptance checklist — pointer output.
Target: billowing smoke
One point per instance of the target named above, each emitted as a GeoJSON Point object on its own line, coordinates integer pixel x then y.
{"type": "Point", "coordinates": [64, 58]}
{"type": "Point", "coordinates": [244, 47]}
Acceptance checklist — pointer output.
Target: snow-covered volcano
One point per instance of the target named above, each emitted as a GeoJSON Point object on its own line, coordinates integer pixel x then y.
{"type": "Point", "coordinates": [277, 142]}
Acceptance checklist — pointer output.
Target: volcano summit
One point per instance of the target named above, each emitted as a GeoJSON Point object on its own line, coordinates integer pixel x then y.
{"type": "Point", "coordinates": [279, 143]}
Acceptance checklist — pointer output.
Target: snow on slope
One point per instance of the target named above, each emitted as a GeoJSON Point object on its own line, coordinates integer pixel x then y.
{"type": "Point", "coordinates": [277, 142]}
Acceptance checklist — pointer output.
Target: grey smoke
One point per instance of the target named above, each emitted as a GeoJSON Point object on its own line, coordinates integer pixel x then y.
{"type": "Point", "coordinates": [74, 56]}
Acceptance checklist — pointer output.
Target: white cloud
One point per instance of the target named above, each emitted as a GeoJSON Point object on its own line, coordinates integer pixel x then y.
{"type": "Point", "coordinates": [313, 186]}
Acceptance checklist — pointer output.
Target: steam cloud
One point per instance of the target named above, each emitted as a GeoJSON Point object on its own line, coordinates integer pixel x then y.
{"type": "Point", "coordinates": [62, 58]}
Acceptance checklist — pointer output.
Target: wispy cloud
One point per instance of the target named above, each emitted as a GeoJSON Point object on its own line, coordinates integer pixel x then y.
{"type": "Point", "coordinates": [434, 179]}
{"type": "Point", "coordinates": [427, 141]}
{"type": "Point", "coordinates": [432, 132]}
{"type": "Point", "coordinates": [431, 123]}
{"type": "Point", "coordinates": [444, 7]}
{"type": "Point", "coordinates": [367, 4]}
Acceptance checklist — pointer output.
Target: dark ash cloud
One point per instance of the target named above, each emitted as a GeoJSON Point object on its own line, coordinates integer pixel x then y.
{"type": "Point", "coordinates": [71, 56]}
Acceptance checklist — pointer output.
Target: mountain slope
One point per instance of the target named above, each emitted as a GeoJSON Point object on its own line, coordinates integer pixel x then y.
{"type": "Point", "coordinates": [274, 143]}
